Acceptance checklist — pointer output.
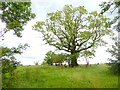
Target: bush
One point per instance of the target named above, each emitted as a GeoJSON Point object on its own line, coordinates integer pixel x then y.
{"type": "Point", "coordinates": [115, 67]}
{"type": "Point", "coordinates": [9, 63]}
{"type": "Point", "coordinates": [8, 67]}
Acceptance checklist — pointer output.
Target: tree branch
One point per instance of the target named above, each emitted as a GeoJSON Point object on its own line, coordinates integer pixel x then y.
{"type": "Point", "coordinates": [59, 47]}
{"type": "Point", "coordinates": [90, 45]}
{"type": "Point", "coordinates": [3, 32]}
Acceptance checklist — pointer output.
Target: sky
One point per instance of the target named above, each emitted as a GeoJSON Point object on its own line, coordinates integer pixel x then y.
{"type": "Point", "coordinates": [38, 48]}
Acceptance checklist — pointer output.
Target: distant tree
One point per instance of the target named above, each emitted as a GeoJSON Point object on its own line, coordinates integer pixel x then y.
{"type": "Point", "coordinates": [68, 59]}
{"type": "Point", "coordinates": [44, 63]}
{"type": "Point", "coordinates": [59, 58]}
{"type": "Point", "coordinates": [36, 62]}
{"type": "Point", "coordinates": [49, 57]}
{"type": "Point", "coordinates": [74, 30]}
{"type": "Point", "coordinates": [52, 57]}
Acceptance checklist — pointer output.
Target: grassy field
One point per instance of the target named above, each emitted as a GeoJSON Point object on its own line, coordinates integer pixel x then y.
{"type": "Point", "coordinates": [95, 76]}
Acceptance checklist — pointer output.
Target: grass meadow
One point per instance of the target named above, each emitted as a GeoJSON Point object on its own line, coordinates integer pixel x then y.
{"type": "Point", "coordinates": [94, 76]}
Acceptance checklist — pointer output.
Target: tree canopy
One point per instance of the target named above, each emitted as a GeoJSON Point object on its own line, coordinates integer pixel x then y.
{"type": "Point", "coordinates": [49, 57]}
{"type": "Point", "coordinates": [15, 15]}
{"type": "Point", "coordinates": [74, 30]}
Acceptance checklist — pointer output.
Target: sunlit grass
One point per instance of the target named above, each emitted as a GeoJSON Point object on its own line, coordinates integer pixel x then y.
{"type": "Point", "coordinates": [94, 76]}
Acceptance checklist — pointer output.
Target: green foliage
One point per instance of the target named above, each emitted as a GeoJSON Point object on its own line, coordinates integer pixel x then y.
{"type": "Point", "coordinates": [107, 5]}
{"type": "Point", "coordinates": [49, 57]}
{"type": "Point", "coordinates": [74, 29]}
{"type": "Point", "coordinates": [52, 57]}
{"type": "Point", "coordinates": [58, 58]}
{"type": "Point", "coordinates": [9, 63]}
{"type": "Point", "coordinates": [8, 67]}
{"type": "Point", "coordinates": [112, 6]}
{"type": "Point", "coordinates": [15, 15]}
{"type": "Point", "coordinates": [115, 60]}
{"type": "Point", "coordinates": [88, 53]}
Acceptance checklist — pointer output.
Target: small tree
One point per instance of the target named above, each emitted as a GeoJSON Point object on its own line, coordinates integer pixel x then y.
{"type": "Point", "coordinates": [36, 62]}
{"type": "Point", "coordinates": [52, 57]}
{"type": "Point", "coordinates": [74, 30]}
{"type": "Point", "coordinates": [49, 57]}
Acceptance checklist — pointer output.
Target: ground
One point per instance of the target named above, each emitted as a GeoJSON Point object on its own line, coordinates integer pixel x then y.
{"type": "Point", "coordinates": [94, 76]}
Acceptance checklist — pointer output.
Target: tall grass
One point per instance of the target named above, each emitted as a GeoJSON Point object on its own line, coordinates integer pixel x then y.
{"type": "Point", "coordinates": [94, 76]}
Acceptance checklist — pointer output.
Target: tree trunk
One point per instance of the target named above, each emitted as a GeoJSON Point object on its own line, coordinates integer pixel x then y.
{"type": "Point", "coordinates": [87, 64]}
{"type": "Point", "coordinates": [74, 60]}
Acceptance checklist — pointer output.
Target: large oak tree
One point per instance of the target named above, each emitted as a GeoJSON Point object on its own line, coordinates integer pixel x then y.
{"type": "Point", "coordinates": [74, 30]}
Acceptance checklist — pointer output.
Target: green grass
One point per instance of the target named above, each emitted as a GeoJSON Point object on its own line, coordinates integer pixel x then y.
{"type": "Point", "coordinates": [0, 79]}
{"type": "Point", "coordinates": [95, 76]}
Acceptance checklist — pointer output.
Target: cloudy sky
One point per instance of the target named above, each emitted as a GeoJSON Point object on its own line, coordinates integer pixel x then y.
{"type": "Point", "coordinates": [37, 49]}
